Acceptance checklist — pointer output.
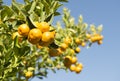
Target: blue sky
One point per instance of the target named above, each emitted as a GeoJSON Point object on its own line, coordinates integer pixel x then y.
{"type": "Point", "coordinates": [101, 63]}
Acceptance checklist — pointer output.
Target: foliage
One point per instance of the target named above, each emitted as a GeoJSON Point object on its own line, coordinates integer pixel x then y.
{"type": "Point", "coordinates": [23, 57]}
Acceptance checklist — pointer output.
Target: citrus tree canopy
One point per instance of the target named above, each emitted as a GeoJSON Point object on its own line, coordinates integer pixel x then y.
{"type": "Point", "coordinates": [30, 44]}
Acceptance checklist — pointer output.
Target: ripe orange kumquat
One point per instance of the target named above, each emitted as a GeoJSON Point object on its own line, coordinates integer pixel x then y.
{"type": "Point", "coordinates": [67, 61]}
{"type": "Point", "coordinates": [100, 42]}
{"type": "Point", "coordinates": [96, 38]}
{"type": "Point", "coordinates": [77, 50]}
{"type": "Point", "coordinates": [48, 36]}
{"type": "Point", "coordinates": [88, 36]}
{"type": "Point", "coordinates": [83, 44]}
{"type": "Point", "coordinates": [72, 68]}
{"type": "Point", "coordinates": [23, 29]}
{"type": "Point", "coordinates": [79, 65]}
{"type": "Point", "coordinates": [67, 40]}
{"type": "Point", "coordinates": [28, 74]}
{"type": "Point", "coordinates": [34, 36]}
{"type": "Point", "coordinates": [74, 60]}
{"type": "Point", "coordinates": [64, 46]}
{"type": "Point", "coordinates": [78, 41]}
{"type": "Point", "coordinates": [43, 26]}
{"type": "Point", "coordinates": [78, 70]}
{"type": "Point", "coordinates": [72, 51]}
{"type": "Point", "coordinates": [60, 51]}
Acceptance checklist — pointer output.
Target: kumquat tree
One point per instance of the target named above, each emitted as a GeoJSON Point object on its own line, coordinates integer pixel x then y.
{"type": "Point", "coordinates": [30, 44]}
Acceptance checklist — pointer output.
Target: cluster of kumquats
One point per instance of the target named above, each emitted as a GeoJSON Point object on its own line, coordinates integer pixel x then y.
{"type": "Point", "coordinates": [42, 36]}
{"type": "Point", "coordinates": [36, 44]}
{"type": "Point", "coordinates": [96, 38]}
{"type": "Point", "coordinates": [72, 64]}
{"type": "Point", "coordinates": [70, 60]}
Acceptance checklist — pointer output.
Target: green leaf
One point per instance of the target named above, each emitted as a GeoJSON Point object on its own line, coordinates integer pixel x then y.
{"type": "Point", "coordinates": [45, 3]}
{"type": "Point", "coordinates": [32, 7]}
{"type": "Point", "coordinates": [1, 2]}
{"type": "Point", "coordinates": [16, 51]}
{"type": "Point", "coordinates": [39, 77]}
{"type": "Point", "coordinates": [47, 6]}
{"type": "Point", "coordinates": [16, 42]}
{"type": "Point", "coordinates": [27, 7]}
{"type": "Point", "coordinates": [55, 6]}
{"type": "Point", "coordinates": [62, 0]}
{"type": "Point", "coordinates": [90, 44]}
{"type": "Point", "coordinates": [100, 28]}
{"type": "Point", "coordinates": [53, 70]}
{"type": "Point", "coordinates": [6, 13]}
{"type": "Point", "coordinates": [19, 10]}
{"type": "Point", "coordinates": [34, 17]}
{"type": "Point", "coordinates": [14, 61]}
{"type": "Point", "coordinates": [24, 50]}
{"type": "Point", "coordinates": [92, 28]}
{"type": "Point", "coordinates": [15, 7]}
{"type": "Point", "coordinates": [30, 22]}
{"type": "Point", "coordinates": [1, 48]}
{"type": "Point", "coordinates": [57, 14]}
{"type": "Point", "coordinates": [27, 1]}
{"type": "Point", "coordinates": [49, 19]}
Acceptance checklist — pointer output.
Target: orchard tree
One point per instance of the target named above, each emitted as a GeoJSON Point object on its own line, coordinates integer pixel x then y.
{"type": "Point", "coordinates": [30, 44]}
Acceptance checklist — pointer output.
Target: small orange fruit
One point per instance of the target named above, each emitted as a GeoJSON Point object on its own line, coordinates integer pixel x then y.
{"type": "Point", "coordinates": [43, 26]}
{"type": "Point", "coordinates": [100, 42]}
{"type": "Point", "coordinates": [28, 74]}
{"type": "Point", "coordinates": [60, 51]}
{"type": "Point", "coordinates": [23, 29]}
{"type": "Point", "coordinates": [64, 46]}
{"type": "Point", "coordinates": [78, 41]}
{"type": "Point", "coordinates": [72, 51]}
{"type": "Point", "coordinates": [77, 50]}
{"type": "Point", "coordinates": [67, 40]}
{"type": "Point", "coordinates": [96, 38]}
{"type": "Point", "coordinates": [48, 36]}
{"type": "Point", "coordinates": [83, 44]}
{"type": "Point", "coordinates": [80, 65]}
{"type": "Point", "coordinates": [100, 37]}
{"type": "Point", "coordinates": [67, 61]}
{"type": "Point", "coordinates": [74, 60]}
{"type": "Point", "coordinates": [93, 39]}
{"type": "Point", "coordinates": [72, 68]}
{"type": "Point", "coordinates": [68, 58]}
{"type": "Point", "coordinates": [78, 70]}
{"type": "Point", "coordinates": [34, 36]}
{"type": "Point", "coordinates": [88, 36]}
